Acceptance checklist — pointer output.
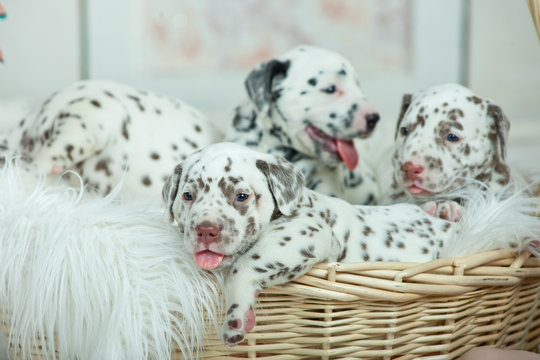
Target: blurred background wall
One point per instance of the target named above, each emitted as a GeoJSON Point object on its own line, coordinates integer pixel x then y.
{"type": "Point", "coordinates": [201, 50]}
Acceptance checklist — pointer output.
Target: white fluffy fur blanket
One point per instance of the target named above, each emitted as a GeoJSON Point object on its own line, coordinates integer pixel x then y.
{"type": "Point", "coordinates": [94, 277]}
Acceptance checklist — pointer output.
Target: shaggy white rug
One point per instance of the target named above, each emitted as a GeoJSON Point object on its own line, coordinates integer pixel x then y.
{"type": "Point", "coordinates": [95, 278]}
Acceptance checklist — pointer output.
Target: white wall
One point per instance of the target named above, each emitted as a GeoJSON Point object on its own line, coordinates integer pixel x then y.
{"type": "Point", "coordinates": [40, 42]}
{"type": "Point", "coordinates": [504, 65]}
{"type": "Point", "coordinates": [504, 62]}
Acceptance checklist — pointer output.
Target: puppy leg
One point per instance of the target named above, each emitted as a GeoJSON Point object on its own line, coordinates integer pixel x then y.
{"type": "Point", "coordinates": [71, 144]}
{"type": "Point", "coordinates": [283, 253]}
{"type": "Point", "coordinates": [444, 209]}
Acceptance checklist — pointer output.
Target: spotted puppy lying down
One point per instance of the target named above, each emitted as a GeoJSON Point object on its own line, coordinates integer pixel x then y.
{"type": "Point", "coordinates": [249, 215]}
{"type": "Point", "coordinates": [307, 106]}
{"type": "Point", "coordinates": [110, 132]}
{"type": "Point", "coordinates": [444, 135]}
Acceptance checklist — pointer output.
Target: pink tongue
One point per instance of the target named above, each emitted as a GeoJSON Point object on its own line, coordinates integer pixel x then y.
{"type": "Point", "coordinates": [207, 259]}
{"type": "Point", "coordinates": [347, 152]}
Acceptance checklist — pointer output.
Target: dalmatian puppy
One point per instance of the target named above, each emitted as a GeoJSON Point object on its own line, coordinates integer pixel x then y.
{"type": "Point", "coordinates": [248, 214]}
{"type": "Point", "coordinates": [307, 106]}
{"type": "Point", "coordinates": [445, 135]}
{"type": "Point", "coordinates": [108, 132]}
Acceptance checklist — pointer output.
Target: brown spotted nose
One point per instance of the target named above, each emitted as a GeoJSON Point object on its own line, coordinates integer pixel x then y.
{"type": "Point", "coordinates": [207, 233]}
{"type": "Point", "coordinates": [372, 120]}
{"type": "Point", "coordinates": [411, 171]}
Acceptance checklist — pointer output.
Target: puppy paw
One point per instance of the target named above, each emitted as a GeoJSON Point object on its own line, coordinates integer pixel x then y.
{"type": "Point", "coordinates": [237, 325]}
{"type": "Point", "coordinates": [444, 209]}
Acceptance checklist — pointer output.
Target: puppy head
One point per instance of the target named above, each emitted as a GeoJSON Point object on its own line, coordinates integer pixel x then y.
{"type": "Point", "coordinates": [223, 197]}
{"type": "Point", "coordinates": [445, 134]}
{"type": "Point", "coordinates": [314, 102]}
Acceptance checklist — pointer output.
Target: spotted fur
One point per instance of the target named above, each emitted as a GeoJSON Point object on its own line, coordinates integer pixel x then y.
{"type": "Point", "coordinates": [103, 130]}
{"type": "Point", "coordinates": [282, 228]}
{"type": "Point", "coordinates": [296, 103]}
{"type": "Point", "coordinates": [444, 135]}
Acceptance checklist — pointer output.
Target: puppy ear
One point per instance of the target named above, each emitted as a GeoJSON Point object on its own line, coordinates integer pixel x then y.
{"type": "Point", "coordinates": [405, 103]}
{"type": "Point", "coordinates": [170, 190]}
{"type": "Point", "coordinates": [260, 81]}
{"type": "Point", "coordinates": [286, 183]}
{"type": "Point", "coordinates": [502, 126]}
{"type": "Point", "coordinates": [498, 136]}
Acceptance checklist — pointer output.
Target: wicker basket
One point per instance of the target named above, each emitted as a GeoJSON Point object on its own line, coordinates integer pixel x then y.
{"type": "Point", "coordinates": [383, 310]}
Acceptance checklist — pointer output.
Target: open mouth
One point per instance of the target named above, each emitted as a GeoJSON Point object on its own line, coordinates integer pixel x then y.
{"type": "Point", "coordinates": [208, 259]}
{"type": "Point", "coordinates": [341, 148]}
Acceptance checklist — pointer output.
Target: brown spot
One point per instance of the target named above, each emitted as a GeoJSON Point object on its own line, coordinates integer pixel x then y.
{"type": "Point", "coordinates": [342, 255]}
{"type": "Point", "coordinates": [228, 166]}
{"type": "Point", "coordinates": [155, 156]}
{"type": "Point", "coordinates": [103, 165]}
{"type": "Point", "coordinates": [125, 124]}
{"type": "Point", "coordinates": [146, 181]}
{"type": "Point", "coordinates": [95, 103]}
{"type": "Point", "coordinates": [367, 231]}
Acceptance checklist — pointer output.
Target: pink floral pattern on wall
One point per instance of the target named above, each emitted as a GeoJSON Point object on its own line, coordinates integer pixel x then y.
{"type": "Point", "coordinates": [215, 35]}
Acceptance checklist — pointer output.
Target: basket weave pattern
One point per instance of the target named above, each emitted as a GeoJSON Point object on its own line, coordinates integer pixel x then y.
{"type": "Point", "coordinates": [383, 310]}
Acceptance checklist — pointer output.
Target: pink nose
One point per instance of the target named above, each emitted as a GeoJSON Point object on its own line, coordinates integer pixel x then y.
{"type": "Point", "coordinates": [207, 232]}
{"type": "Point", "coordinates": [411, 171]}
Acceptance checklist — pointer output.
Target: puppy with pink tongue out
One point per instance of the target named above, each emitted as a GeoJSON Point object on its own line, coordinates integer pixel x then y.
{"type": "Point", "coordinates": [307, 106]}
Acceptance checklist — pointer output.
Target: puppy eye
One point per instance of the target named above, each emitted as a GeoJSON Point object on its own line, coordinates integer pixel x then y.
{"type": "Point", "coordinates": [187, 196]}
{"type": "Point", "coordinates": [241, 197]}
{"type": "Point", "coordinates": [404, 131]}
{"type": "Point", "coordinates": [452, 138]}
{"type": "Point", "coordinates": [330, 89]}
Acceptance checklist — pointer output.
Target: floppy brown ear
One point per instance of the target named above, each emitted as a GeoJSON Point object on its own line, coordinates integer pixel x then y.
{"type": "Point", "coordinates": [405, 103]}
{"type": "Point", "coordinates": [260, 81]}
{"type": "Point", "coordinates": [498, 136]}
{"type": "Point", "coordinates": [501, 129]}
{"type": "Point", "coordinates": [170, 190]}
{"type": "Point", "coordinates": [286, 183]}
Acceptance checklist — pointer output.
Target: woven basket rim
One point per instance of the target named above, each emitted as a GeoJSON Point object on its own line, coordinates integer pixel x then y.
{"type": "Point", "coordinates": [400, 282]}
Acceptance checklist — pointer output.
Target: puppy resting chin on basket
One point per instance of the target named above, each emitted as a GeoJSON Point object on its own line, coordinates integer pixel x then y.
{"type": "Point", "coordinates": [248, 215]}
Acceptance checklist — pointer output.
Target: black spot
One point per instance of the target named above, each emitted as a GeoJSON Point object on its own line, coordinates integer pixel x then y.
{"type": "Point", "coordinates": [69, 149]}
{"type": "Point", "coordinates": [312, 82]}
{"type": "Point", "coordinates": [232, 308]}
{"type": "Point", "coordinates": [137, 101]}
{"type": "Point", "coordinates": [125, 124]}
{"type": "Point", "coordinates": [95, 103]}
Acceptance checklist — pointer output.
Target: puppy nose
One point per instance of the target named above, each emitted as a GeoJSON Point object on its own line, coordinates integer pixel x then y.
{"type": "Point", "coordinates": [412, 170]}
{"type": "Point", "coordinates": [372, 120]}
{"type": "Point", "coordinates": [207, 232]}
